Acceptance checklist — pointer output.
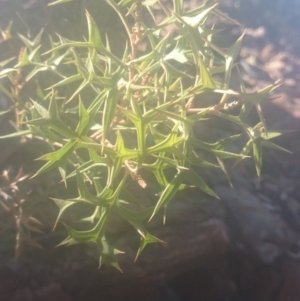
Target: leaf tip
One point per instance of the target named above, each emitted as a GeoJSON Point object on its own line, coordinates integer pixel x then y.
{"type": "Point", "coordinates": [151, 217]}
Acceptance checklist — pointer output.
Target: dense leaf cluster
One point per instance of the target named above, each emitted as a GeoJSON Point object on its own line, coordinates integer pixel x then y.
{"type": "Point", "coordinates": [110, 120]}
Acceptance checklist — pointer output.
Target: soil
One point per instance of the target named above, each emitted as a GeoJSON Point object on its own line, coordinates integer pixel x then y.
{"type": "Point", "coordinates": [243, 248]}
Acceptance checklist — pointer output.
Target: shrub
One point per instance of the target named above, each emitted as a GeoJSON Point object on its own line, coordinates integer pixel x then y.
{"type": "Point", "coordinates": [122, 123]}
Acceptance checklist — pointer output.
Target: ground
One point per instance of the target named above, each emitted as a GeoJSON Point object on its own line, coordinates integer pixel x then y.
{"type": "Point", "coordinates": [245, 248]}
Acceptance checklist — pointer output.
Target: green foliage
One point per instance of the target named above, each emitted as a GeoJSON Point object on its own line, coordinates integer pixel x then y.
{"type": "Point", "coordinates": [112, 120]}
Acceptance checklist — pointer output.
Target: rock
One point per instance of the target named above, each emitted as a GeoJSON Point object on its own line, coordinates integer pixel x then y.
{"type": "Point", "coordinates": [52, 291]}
{"type": "Point", "coordinates": [25, 294]}
{"type": "Point", "coordinates": [265, 234]}
{"type": "Point", "coordinates": [49, 292]}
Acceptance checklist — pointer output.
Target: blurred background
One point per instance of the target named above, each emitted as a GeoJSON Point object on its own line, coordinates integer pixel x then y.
{"type": "Point", "coordinates": [246, 248]}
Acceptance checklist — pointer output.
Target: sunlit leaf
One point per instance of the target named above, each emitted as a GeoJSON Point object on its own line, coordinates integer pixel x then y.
{"type": "Point", "coordinates": [67, 81]}
{"type": "Point", "coordinates": [168, 193]}
{"type": "Point", "coordinates": [94, 34]}
{"type": "Point", "coordinates": [84, 119]}
{"type": "Point", "coordinates": [257, 154]}
{"type": "Point", "coordinates": [109, 112]}
{"type": "Point", "coordinates": [213, 148]}
{"type": "Point", "coordinates": [178, 6]}
{"type": "Point", "coordinates": [170, 142]}
{"type": "Point", "coordinates": [35, 42]}
{"type": "Point", "coordinates": [270, 144]}
{"type": "Point", "coordinates": [107, 253]}
{"type": "Point", "coordinates": [206, 80]}
{"type": "Point", "coordinates": [91, 235]}
{"type": "Point", "coordinates": [61, 153]}
{"type": "Point", "coordinates": [196, 20]}
{"type": "Point", "coordinates": [59, 2]}
{"type": "Point", "coordinates": [195, 179]}
{"type": "Point", "coordinates": [231, 56]}
{"type": "Point", "coordinates": [63, 206]}
{"type": "Point", "coordinates": [23, 61]}
{"type": "Point", "coordinates": [16, 134]}
{"type": "Point", "coordinates": [147, 239]}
